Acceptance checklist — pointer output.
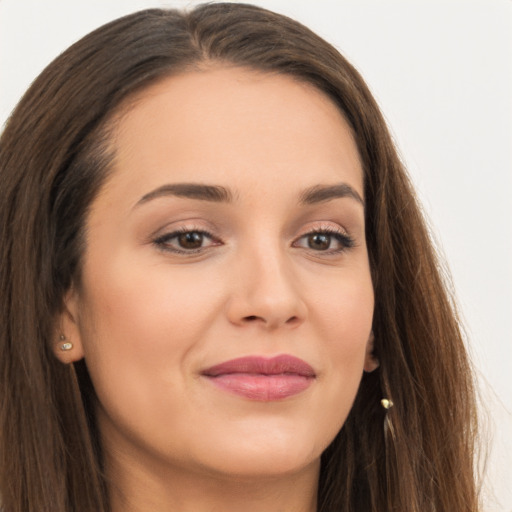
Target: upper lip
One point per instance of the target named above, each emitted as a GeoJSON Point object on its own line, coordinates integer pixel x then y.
{"type": "Point", "coordinates": [258, 365]}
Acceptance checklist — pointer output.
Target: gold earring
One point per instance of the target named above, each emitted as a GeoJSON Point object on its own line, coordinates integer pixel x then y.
{"type": "Point", "coordinates": [386, 403]}
{"type": "Point", "coordinates": [389, 430]}
{"type": "Point", "coordinates": [65, 346]}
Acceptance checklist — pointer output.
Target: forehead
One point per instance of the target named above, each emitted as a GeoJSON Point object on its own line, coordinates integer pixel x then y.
{"type": "Point", "coordinates": [225, 124]}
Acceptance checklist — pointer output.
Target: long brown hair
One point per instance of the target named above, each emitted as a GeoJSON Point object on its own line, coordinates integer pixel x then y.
{"type": "Point", "coordinates": [416, 457]}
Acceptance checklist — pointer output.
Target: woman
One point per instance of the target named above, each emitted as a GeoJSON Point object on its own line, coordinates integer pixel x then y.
{"type": "Point", "coordinates": [218, 289]}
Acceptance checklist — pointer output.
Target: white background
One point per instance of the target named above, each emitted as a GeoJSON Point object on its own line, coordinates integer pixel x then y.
{"type": "Point", "coordinates": [442, 73]}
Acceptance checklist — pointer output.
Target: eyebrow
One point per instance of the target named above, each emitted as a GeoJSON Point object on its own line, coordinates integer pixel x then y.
{"type": "Point", "coordinates": [214, 193]}
{"type": "Point", "coordinates": [322, 193]}
{"type": "Point", "coordinates": [219, 194]}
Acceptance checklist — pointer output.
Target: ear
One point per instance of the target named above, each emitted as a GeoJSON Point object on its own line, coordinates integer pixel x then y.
{"type": "Point", "coordinates": [371, 363]}
{"type": "Point", "coordinates": [67, 343]}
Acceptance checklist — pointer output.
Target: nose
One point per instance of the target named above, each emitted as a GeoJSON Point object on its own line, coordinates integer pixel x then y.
{"type": "Point", "coordinates": [266, 292]}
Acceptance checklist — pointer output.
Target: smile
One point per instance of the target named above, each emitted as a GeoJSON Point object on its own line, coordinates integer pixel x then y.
{"type": "Point", "coordinates": [262, 379]}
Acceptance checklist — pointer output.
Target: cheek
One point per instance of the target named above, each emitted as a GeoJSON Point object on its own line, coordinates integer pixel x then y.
{"type": "Point", "coordinates": [148, 305]}
{"type": "Point", "coordinates": [343, 317]}
{"type": "Point", "coordinates": [343, 308]}
{"type": "Point", "coordinates": [139, 326]}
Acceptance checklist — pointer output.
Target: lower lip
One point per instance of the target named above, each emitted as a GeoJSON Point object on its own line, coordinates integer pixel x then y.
{"type": "Point", "coordinates": [263, 388]}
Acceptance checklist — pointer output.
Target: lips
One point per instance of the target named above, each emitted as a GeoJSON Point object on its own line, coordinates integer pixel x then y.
{"type": "Point", "coordinates": [262, 379]}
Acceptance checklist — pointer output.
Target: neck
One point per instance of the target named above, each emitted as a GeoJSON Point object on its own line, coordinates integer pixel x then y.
{"type": "Point", "coordinates": [134, 488]}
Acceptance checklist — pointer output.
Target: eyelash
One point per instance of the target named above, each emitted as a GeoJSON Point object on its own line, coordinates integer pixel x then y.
{"type": "Point", "coordinates": [163, 242]}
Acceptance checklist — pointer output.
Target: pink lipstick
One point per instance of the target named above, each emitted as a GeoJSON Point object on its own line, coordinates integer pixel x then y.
{"type": "Point", "coordinates": [262, 379]}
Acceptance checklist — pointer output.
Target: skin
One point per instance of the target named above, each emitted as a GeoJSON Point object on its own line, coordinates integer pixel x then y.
{"type": "Point", "coordinates": [149, 319]}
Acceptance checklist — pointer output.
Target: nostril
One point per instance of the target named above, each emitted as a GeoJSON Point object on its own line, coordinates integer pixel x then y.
{"type": "Point", "coordinates": [293, 320]}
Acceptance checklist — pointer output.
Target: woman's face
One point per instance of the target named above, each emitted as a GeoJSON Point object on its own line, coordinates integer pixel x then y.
{"type": "Point", "coordinates": [225, 307]}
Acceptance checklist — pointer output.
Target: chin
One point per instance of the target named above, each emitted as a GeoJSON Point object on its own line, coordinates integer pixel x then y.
{"type": "Point", "coordinates": [264, 465]}
{"type": "Point", "coordinates": [263, 454]}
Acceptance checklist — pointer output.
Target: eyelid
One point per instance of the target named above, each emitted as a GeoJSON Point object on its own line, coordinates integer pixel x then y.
{"type": "Point", "coordinates": [323, 227]}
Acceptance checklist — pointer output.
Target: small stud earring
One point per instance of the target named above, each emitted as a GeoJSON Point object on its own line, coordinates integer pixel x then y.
{"type": "Point", "coordinates": [386, 403]}
{"type": "Point", "coordinates": [65, 346]}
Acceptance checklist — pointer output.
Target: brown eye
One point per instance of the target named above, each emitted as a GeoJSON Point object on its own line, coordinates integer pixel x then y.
{"type": "Point", "coordinates": [319, 241]}
{"type": "Point", "coordinates": [186, 241]}
{"type": "Point", "coordinates": [190, 240]}
{"type": "Point", "coordinates": [328, 241]}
